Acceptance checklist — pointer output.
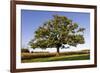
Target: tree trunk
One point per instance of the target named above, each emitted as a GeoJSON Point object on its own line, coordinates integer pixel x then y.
{"type": "Point", "coordinates": [58, 50]}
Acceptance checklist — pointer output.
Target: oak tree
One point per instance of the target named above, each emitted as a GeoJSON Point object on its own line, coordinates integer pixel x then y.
{"type": "Point", "coordinates": [58, 32]}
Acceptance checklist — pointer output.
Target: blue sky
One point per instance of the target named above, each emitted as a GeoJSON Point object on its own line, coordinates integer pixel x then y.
{"type": "Point", "coordinates": [32, 19]}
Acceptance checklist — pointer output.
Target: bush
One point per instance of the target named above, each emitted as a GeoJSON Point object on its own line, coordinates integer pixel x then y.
{"type": "Point", "coordinates": [24, 51]}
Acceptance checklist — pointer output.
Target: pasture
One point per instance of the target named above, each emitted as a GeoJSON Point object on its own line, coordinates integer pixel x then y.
{"type": "Point", "coordinates": [47, 57]}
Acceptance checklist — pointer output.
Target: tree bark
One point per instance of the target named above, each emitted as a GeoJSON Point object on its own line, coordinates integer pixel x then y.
{"type": "Point", "coordinates": [58, 50]}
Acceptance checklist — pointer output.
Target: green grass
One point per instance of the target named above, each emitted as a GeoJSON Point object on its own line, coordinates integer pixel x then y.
{"type": "Point", "coordinates": [59, 58]}
{"type": "Point", "coordinates": [47, 57]}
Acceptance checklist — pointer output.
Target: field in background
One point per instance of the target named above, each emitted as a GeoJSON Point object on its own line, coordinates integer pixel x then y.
{"type": "Point", "coordinates": [47, 57]}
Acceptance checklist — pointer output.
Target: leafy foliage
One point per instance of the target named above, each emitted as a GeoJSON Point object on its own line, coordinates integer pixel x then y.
{"type": "Point", "coordinates": [57, 31]}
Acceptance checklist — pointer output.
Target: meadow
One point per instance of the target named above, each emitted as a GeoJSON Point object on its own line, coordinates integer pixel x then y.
{"type": "Point", "coordinates": [27, 57]}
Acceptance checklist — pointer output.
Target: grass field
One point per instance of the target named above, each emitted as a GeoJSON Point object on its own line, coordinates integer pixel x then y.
{"type": "Point", "coordinates": [47, 57]}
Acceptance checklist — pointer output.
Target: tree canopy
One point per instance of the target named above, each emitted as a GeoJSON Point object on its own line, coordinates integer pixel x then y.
{"type": "Point", "coordinates": [58, 31]}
